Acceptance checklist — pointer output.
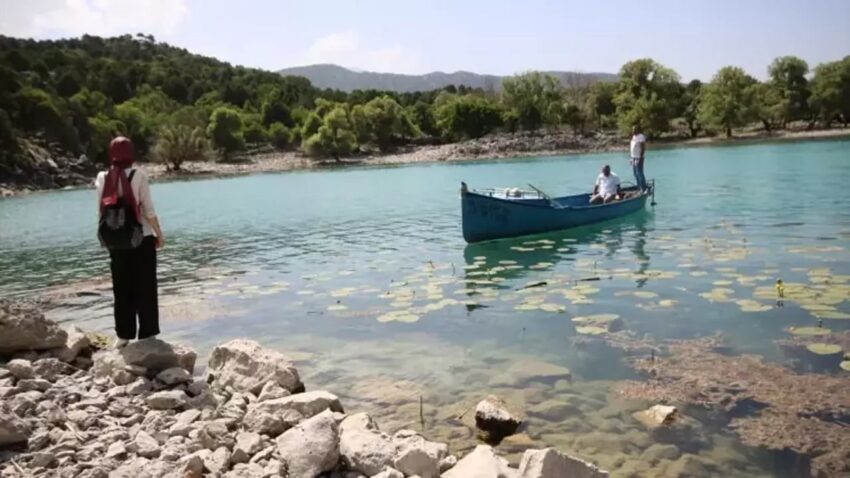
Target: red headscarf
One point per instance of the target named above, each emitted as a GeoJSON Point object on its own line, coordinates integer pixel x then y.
{"type": "Point", "coordinates": [120, 158]}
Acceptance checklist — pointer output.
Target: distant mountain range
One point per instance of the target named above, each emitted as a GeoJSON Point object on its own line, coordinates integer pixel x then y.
{"type": "Point", "coordinates": [340, 78]}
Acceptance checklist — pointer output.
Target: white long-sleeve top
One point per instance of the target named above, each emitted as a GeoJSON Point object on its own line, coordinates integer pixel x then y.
{"type": "Point", "coordinates": [142, 193]}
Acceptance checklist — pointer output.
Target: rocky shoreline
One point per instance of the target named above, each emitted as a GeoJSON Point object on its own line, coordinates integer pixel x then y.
{"type": "Point", "coordinates": [52, 170]}
{"type": "Point", "coordinates": [74, 407]}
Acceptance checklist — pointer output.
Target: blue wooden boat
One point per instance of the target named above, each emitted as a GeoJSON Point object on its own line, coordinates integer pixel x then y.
{"type": "Point", "coordinates": [497, 214]}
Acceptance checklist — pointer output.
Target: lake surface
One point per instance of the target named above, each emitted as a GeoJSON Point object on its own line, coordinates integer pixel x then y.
{"type": "Point", "coordinates": [363, 276]}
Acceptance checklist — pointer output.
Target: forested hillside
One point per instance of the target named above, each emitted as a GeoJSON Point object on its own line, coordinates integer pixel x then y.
{"type": "Point", "coordinates": [344, 79]}
{"type": "Point", "coordinates": [74, 95]}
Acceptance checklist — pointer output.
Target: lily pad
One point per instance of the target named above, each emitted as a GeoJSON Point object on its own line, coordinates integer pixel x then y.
{"type": "Point", "coordinates": [808, 331]}
{"type": "Point", "coordinates": [845, 365]}
{"type": "Point", "coordinates": [590, 330]}
{"type": "Point", "coordinates": [823, 349]}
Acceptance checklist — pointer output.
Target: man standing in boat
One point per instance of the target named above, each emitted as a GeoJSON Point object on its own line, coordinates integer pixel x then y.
{"type": "Point", "coordinates": [637, 148]}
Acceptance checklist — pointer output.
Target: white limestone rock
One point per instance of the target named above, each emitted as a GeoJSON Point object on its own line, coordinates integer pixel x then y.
{"type": "Point", "coordinates": [13, 429]}
{"type": "Point", "coordinates": [363, 447]}
{"type": "Point", "coordinates": [311, 447]}
{"type": "Point", "coordinates": [273, 417]}
{"type": "Point", "coordinates": [167, 400]}
{"type": "Point", "coordinates": [23, 327]}
{"type": "Point", "coordinates": [246, 366]}
{"type": "Point", "coordinates": [550, 463]}
{"type": "Point", "coordinates": [495, 420]}
{"type": "Point", "coordinates": [481, 463]}
{"type": "Point", "coordinates": [174, 376]}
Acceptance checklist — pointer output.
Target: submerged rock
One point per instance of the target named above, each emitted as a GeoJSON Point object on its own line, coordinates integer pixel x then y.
{"type": "Point", "coordinates": [550, 463]}
{"type": "Point", "coordinates": [656, 416]}
{"type": "Point", "coordinates": [247, 367]}
{"type": "Point", "coordinates": [523, 371]}
{"type": "Point", "coordinates": [23, 327]}
{"type": "Point", "coordinates": [481, 463]}
{"type": "Point", "coordinates": [493, 418]}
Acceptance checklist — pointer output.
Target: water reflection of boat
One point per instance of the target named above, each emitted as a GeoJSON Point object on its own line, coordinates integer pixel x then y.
{"type": "Point", "coordinates": [497, 214]}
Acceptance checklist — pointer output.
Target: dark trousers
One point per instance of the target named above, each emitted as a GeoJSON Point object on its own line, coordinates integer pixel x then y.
{"type": "Point", "coordinates": [134, 289]}
{"type": "Point", "coordinates": [637, 169]}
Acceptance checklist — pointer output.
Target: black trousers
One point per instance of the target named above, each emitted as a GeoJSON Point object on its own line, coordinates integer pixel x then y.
{"type": "Point", "coordinates": [134, 289]}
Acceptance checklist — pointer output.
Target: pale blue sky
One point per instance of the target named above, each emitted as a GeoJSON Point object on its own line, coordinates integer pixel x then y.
{"type": "Point", "coordinates": [495, 36]}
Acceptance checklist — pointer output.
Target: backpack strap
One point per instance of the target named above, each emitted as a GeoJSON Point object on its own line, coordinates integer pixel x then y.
{"type": "Point", "coordinates": [130, 177]}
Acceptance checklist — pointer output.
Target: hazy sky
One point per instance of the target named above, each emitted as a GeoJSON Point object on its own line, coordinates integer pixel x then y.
{"type": "Point", "coordinates": [484, 36]}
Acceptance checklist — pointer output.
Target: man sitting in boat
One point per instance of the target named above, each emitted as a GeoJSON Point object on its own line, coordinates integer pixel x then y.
{"type": "Point", "coordinates": [607, 187]}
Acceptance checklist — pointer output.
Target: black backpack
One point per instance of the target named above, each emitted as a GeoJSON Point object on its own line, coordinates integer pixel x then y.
{"type": "Point", "coordinates": [118, 228]}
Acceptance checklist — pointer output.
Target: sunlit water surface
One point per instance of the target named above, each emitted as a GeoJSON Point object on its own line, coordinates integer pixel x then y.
{"type": "Point", "coordinates": [363, 277]}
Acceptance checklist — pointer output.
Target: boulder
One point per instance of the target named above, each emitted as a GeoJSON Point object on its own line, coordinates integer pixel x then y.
{"type": "Point", "coordinates": [13, 429]}
{"type": "Point", "coordinates": [656, 416]}
{"type": "Point", "coordinates": [364, 448]}
{"type": "Point", "coordinates": [174, 376]}
{"type": "Point", "coordinates": [23, 327]}
{"type": "Point", "coordinates": [417, 456]}
{"type": "Point", "coordinates": [550, 463]}
{"type": "Point", "coordinates": [247, 445]}
{"type": "Point", "coordinates": [218, 461]}
{"type": "Point", "coordinates": [247, 367]}
{"type": "Point", "coordinates": [495, 420]}
{"type": "Point", "coordinates": [311, 447]}
{"type": "Point", "coordinates": [246, 470]}
{"type": "Point", "coordinates": [271, 390]}
{"type": "Point", "coordinates": [20, 369]}
{"type": "Point", "coordinates": [389, 473]}
{"type": "Point", "coordinates": [51, 368]}
{"type": "Point", "coordinates": [481, 463]}
{"type": "Point", "coordinates": [275, 416]}
{"type": "Point", "coordinates": [157, 355]}
{"type": "Point", "coordinates": [77, 342]}
{"type": "Point", "coordinates": [167, 400]}
{"type": "Point", "coordinates": [146, 445]}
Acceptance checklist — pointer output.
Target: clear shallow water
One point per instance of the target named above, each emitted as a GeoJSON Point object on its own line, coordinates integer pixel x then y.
{"type": "Point", "coordinates": [365, 274]}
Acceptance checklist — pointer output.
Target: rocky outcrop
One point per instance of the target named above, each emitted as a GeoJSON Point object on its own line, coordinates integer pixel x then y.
{"type": "Point", "coordinates": [550, 463]}
{"type": "Point", "coordinates": [494, 420]}
{"type": "Point", "coordinates": [481, 463]}
{"type": "Point", "coordinates": [141, 414]}
{"type": "Point", "coordinates": [23, 327]}
{"type": "Point", "coordinates": [246, 367]}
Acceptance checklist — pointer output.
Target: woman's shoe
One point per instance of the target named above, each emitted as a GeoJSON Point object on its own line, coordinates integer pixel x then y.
{"type": "Point", "coordinates": [120, 343]}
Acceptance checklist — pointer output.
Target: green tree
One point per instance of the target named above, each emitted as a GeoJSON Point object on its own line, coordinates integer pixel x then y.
{"type": "Point", "coordinates": [334, 137]}
{"type": "Point", "coordinates": [311, 125]}
{"type": "Point", "coordinates": [178, 144]}
{"type": "Point", "coordinates": [466, 116]}
{"type": "Point", "coordinates": [225, 131]}
{"type": "Point", "coordinates": [727, 101]}
{"type": "Point", "coordinates": [137, 126]}
{"type": "Point", "coordinates": [788, 75]}
{"type": "Point", "coordinates": [767, 104]}
{"type": "Point", "coordinates": [423, 117]}
{"type": "Point", "coordinates": [8, 139]}
{"type": "Point", "coordinates": [646, 95]}
{"type": "Point", "coordinates": [361, 125]}
{"type": "Point", "coordinates": [830, 98]}
{"type": "Point", "coordinates": [68, 84]}
{"type": "Point", "coordinates": [600, 106]}
{"type": "Point", "coordinates": [388, 123]}
{"type": "Point", "coordinates": [690, 106]}
{"type": "Point", "coordinates": [575, 118]}
{"type": "Point", "coordinates": [253, 128]}
{"type": "Point", "coordinates": [275, 109]}
{"type": "Point", "coordinates": [281, 136]}
{"type": "Point", "coordinates": [536, 97]}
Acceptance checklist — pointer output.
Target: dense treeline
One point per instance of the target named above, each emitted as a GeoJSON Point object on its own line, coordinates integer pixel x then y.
{"type": "Point", "coordinates": [177, 106]}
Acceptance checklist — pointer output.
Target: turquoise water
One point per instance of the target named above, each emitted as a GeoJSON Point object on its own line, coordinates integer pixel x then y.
{"type": "Point", "coordinates": [365, 274]}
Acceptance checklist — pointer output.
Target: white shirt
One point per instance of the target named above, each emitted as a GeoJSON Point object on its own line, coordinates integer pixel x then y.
{"type": "Point", "coordinates": [607, 184]}
{"type": "Point", "coordinates": [637, 141]}
{"type": "Point", "coordinates": [141, 191]}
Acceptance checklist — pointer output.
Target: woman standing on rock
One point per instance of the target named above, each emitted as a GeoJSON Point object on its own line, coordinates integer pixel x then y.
{"type": "Point", "coordinates": [129, 228]}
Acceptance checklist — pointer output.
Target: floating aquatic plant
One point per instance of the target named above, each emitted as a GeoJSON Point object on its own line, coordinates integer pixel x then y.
{"type": "Point", "coordinates": [824, 349]}
{"type": "Point", "coordinates": [808, 331]}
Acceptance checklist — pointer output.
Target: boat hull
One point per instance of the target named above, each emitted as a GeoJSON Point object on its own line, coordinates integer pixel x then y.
{"type": "Point", "coordinates": [486, 217]}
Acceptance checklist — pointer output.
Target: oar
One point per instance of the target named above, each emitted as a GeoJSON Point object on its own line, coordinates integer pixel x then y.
{"type": "Point", "coordinates": [547, 197]}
